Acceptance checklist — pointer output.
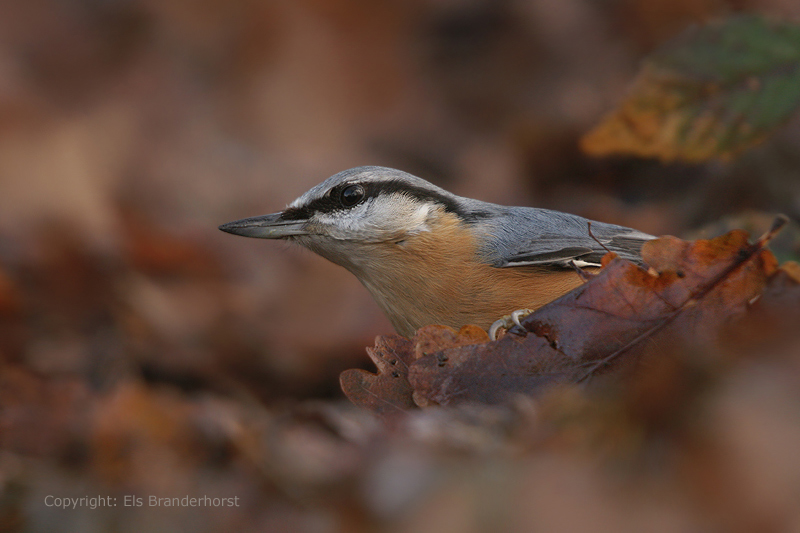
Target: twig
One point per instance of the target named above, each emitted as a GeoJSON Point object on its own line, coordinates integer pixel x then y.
{"type": "Point", "coordinates": [589, 224]}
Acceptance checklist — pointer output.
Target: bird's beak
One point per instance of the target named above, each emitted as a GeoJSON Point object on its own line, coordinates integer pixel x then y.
{"type": "Point", "coordinates": [266, 227]}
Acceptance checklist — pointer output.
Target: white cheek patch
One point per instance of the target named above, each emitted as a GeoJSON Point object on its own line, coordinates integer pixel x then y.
{"type": "Point", "coordinates": [378, 219]}
{"type": "Point", "coordinates": [399, 215]}
{"type": "Point", "coordinates": [419, 220]}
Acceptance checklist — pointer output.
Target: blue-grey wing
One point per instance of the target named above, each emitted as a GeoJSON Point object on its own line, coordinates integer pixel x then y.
{"type": "Point", "coordinates": [539, 237]}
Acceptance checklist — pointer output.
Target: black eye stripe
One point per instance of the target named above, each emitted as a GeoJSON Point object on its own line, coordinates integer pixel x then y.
{"type": "Point", "coordinates": [332, 200]}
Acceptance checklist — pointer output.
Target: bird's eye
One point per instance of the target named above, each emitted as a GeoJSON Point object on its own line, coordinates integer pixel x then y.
{"type": "Point", "coordinates": [351, 195]}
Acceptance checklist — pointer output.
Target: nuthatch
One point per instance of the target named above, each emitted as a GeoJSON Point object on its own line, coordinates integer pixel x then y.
{"type": "Point", "coordinates": [431, 257]}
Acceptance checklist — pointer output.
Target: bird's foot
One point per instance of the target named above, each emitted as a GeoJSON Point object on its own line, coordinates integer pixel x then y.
{"type": "Point", "coordinates": [507, 322]}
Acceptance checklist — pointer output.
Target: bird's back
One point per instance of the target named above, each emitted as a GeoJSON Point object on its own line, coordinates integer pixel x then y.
{"type": "Point", "coordinates": [525, 236]}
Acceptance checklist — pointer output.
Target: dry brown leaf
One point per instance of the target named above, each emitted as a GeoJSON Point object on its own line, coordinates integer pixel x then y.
{"type": "Point", "coordinates": [772, 319]}
{"type": "Point", "coordinates": [389, 390]}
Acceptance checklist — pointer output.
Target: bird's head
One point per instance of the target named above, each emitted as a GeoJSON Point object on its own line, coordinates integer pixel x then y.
{"type": "Point", "coordinates": [353, 209]}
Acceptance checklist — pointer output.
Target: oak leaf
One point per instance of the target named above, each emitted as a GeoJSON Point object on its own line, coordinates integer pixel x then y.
{"type": "Point", "coordinates": [389, 390]}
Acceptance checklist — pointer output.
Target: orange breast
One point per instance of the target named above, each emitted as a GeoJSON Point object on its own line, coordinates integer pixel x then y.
{"type": "Point", "coordinates": [435, 277]}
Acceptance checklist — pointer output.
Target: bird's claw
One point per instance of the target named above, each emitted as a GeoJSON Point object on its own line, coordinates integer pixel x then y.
{"type": "Point", "coordinates": [507, 322]}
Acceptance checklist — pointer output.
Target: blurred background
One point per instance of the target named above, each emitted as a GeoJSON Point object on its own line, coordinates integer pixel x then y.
{"type": "Point", "coordinates": [130, 129]}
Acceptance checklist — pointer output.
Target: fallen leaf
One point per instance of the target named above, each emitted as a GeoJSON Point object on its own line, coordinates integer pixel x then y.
{"type": "Point", "coordinates": [389, 389]}
{"type": "Point", "coordinates": [772, 319]}
{"type": "Point", "coordinates": [712, 92]}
